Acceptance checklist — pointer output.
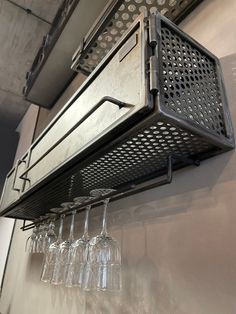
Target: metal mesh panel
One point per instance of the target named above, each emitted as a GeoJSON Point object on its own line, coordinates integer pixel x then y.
{"type": "Point", "coordinates": [125, 15]}
{"type": "Point", "coordinates": [189, 82]}
{"type": "Point", "coordinates": [143, 153]}
{"type": "Point", "coordinates": [140, 155]}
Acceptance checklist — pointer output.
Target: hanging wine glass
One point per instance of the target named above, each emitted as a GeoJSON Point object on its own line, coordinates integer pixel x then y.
{"type": "Point", "coordinates": [103, 267]}
{"type": "Point", "coordinates": [61, 265]}
{"type": "Point", "coordinates": [43, 227]}
{"type": "Point", "coordinates": [50, 236]}
{"type": "Point", "coordinates": [52, 252]}
{"type": "Point", "coordinates": [77, 257]}
{"type": "Point", "coordinates": [30, 242]}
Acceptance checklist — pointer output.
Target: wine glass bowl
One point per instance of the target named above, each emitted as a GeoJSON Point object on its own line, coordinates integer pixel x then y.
{"type": "Point", "coordinates": [40, 242]}
{"type": "Point", "coordinates": [60, 268]}
{"type": "Point", "coordinates": [49, 262]}
{"type": "Point", "coordinates": [77, 259]}
{"type": "Point", "coordinates": [108, 261]}
{"type": "Point", "coordinates": [31, 240]}
{"type": "Point", "coordinates": [51, 255]}
{"type": "Point", "coordinates": [50, 236]}
{"type": "Point", "coordinates": [63, 255]}
{"type": "Point", "coordinates": [103, 267]}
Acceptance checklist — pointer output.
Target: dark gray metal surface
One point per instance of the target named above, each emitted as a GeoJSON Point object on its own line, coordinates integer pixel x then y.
{"type": "Point", "coordinates": [189, 82]}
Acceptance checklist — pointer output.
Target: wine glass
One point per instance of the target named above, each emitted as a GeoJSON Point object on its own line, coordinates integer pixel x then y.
{"type": "Point", "coordinates": [103, 267]}
{"type": "Point", "coordinates": [38, 234]}
{"type": "Point", "coordinates": [61, 265]}
{"type": "Point", "coordinates": [43, 227]}
{"type": "Point", "coordinates": [50, 236]}
{"type": "Point", "coordinates": [30, 242]}
{"type": "Point", "coordinates": [77, 257]}
{"type": "Point", "coordinates": [52, 252]}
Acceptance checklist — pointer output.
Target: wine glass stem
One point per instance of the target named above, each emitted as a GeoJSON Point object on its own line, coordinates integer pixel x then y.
{"type": "Point", "coordinates": [104, 221]}
{"type": "Point", "coordinates": [86, 236]}
{"type": "Point", "coordinates": [59, 238]}
{"type": "Point", "coordinates": [71, 235]}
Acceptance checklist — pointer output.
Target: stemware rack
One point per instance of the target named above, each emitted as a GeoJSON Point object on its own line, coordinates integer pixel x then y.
{"type": "Point", "coordinates": [135, 187]}
{"type": "Point", "coordinates": [181, 117]}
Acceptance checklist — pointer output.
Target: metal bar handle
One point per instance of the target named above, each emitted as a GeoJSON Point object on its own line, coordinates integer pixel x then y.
{"type": "Point", "coordinates": [117, 102]}
{"type": "Point", "coordinates": [19, 161]}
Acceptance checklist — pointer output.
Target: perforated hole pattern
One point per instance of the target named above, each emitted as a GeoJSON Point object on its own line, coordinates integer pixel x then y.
{"type": "Point", "coordinates": [143, 153]}
{"type": "Point", "coordinates": [125, 15]}
{"type": "Point", "coordinates": [189, 82]}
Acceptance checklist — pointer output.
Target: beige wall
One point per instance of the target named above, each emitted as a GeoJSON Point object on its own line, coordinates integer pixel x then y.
{"type": "Point", "coordinates": [178, 241]}
{"type": "Point", "coordinates": [26, 131]}
{"type": "Point", "coordinates": [213, 25]}
{"type": "Point", "coordinates": [6, 229]}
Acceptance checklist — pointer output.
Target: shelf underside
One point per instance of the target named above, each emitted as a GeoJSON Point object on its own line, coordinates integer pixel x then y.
{"type": "Point", "coordinates": [138, 156]}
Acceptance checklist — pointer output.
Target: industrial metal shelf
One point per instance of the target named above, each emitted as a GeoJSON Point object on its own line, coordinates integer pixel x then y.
{"type": "Point", "coordinates": [187, 119]}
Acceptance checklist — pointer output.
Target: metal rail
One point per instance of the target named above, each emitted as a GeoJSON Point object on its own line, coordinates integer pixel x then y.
{"type": "Point", "coordinates": [112, 100]}
{"type": "Point", "coordinates": [131, 189]}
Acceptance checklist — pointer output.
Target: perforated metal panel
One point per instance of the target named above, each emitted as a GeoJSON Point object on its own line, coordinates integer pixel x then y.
{"type": "Point", "coordinates": [119, 21]}
{"type": "Point", "coordinates": [144, 153]}
{"type": "Point", "coordinates": [140, 154]}
{"type": "Point", "coordinates": [190, 83]}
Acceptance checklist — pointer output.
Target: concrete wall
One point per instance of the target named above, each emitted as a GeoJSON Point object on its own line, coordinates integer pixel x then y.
{"type": "Point", "coordinates": [21, 36]}
{"type": "Point", "coordinates": [178, 241]}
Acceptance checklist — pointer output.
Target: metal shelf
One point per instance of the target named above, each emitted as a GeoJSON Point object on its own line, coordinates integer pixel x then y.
{"type": "Point", "coordinates": [187, 120]}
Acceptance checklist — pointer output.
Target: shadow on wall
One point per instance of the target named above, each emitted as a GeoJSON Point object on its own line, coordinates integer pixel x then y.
{"type": "Point", "coordinates": [8, 141]}
{"type": "Point", "coordinates": [137, 296]}
{"type": "Point", "coordinates": [167, 201]}
{"type": "Point", "coordinates": [145, 279]}
{"type": "Point", "coordinates": [173, 246]}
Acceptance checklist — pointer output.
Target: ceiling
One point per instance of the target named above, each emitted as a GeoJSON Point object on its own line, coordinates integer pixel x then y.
{"type": "Point", "coordinates": [21, 35]}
